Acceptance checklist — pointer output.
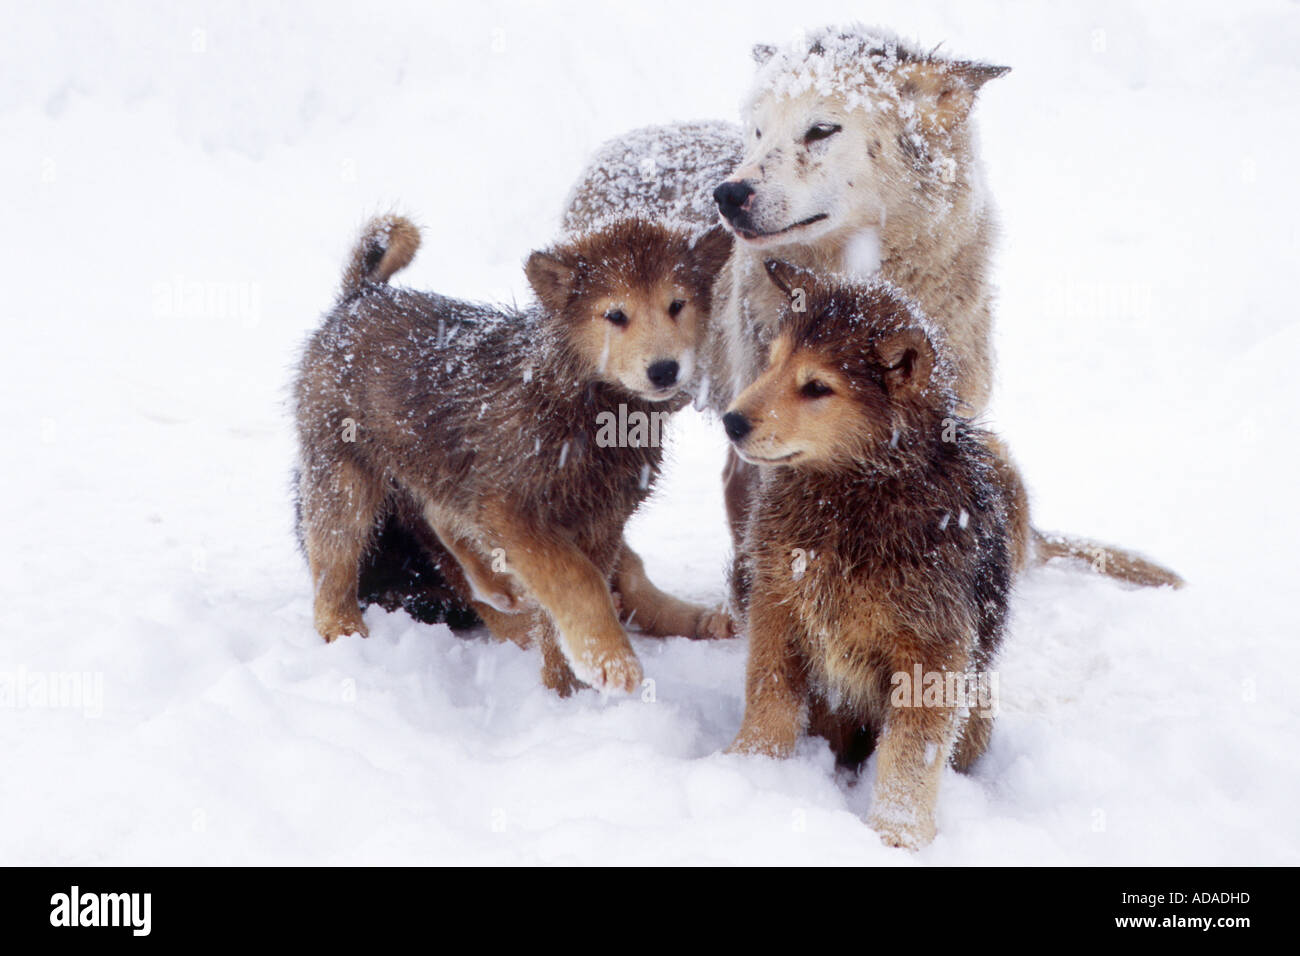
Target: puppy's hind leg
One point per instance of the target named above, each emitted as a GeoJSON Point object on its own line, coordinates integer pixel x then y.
{"type": "Point", "coordinates": [662, 615]}
{"type": "Point", "coordinates": [488, 586]}
{"type": "Point", "coordinates": [341, 502]}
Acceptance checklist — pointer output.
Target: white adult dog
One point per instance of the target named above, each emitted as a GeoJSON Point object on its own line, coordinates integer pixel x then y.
{"type": "Point", "coordinates": [858, 156]}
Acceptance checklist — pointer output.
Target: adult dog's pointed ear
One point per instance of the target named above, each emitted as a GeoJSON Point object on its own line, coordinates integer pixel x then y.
{"type": "Point", "coordinates": [907, 356]}
{"type": "Point", "coordinates": [709, 253]}
{"type": "Point", "coordinates": [793, 280]}
{"type": "Point", "coordinates": [944, 91]}
{"type": "Point", "coordinates": [554, 280]}
{"type": "Point", "coordinates": [762, 52]}
{"type": "Point", "coordinates": [977, 74]}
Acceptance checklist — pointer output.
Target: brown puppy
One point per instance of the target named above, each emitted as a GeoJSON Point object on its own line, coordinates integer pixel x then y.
{"type": "Point", "coordinates": [522, 440]}
{"type": "Point", "coordinates": [884, 541]}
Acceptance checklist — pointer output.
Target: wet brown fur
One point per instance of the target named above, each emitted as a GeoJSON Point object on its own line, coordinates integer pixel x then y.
{"type": "Point", "coordinates": [888, 540]}
{"type": "Point", "coordinates": [482, 424]}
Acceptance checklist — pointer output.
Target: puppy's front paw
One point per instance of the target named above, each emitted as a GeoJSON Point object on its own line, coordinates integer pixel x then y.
{"type": "Point", "coordinates": [618, 673]}
{"type": "Point", "coordinates": [741, 746]}
{"type": "Point", "coordinates": [715, 625]}
{"type": "Point", "coordinates": [756, 741]}
{"type": "Point", "coordinates": [899, 829]}
{"type": "Point", "coordinates": [612, 671]}
{"type": "Point", "coordinates": [602, 658]}
{"type": "Point", "coordinates": [333, 626]}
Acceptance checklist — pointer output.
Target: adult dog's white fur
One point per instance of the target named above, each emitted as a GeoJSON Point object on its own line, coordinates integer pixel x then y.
{"type": "Point", "coordinates": [895, 189]}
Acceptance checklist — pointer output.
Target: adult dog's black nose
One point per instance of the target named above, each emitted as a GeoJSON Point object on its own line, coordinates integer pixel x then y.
{"type": "Point", "coordinates": [663, 374]}
{"type": "Point", "coordinates": [731, 197]}
{"type": "Point", "coordinates": [737, 425]}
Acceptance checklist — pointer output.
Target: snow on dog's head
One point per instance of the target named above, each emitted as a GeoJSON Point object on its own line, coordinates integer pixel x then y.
{"type": "Point", "coordinates": [846, 128]}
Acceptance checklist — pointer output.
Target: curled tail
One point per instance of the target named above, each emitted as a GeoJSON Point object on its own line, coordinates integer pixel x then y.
{"type": "Point", "coordinates": [387, 244]}
{"type": "Point", "coordinates": [1105, 559]}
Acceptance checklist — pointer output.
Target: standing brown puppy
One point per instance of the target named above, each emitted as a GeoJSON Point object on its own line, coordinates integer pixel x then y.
{"type": "Point", "coordinates": [521, 440]}
{"type": "Point", "coordinates": [883, 541]}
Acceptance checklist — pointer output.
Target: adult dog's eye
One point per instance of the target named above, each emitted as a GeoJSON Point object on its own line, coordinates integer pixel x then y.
{"type": "Point", "coordinates": [821, 131]}
{"type": "Point", "coordinates": [617, 317]}
{"type": "Point", "coordinates": [758, 134]}
{"type": "Point", "coordinates": [675, 307]}
{"type": "Point", "coordinates": [815, 389]}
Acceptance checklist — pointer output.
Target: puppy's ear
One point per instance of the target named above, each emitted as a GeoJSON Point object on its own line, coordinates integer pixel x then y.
{"type": "Point", "coordinates": [944, 92]}
{"type": "Point", "coordinates": [554, 280]}
{"type": "Point", "coordinates": [709, 253]}
{"type": "Point", "coordinates": [790, 279]}
{"type": "Point", "coordinates": [908, 359]}
{"type": "Point", "coordinates": [762, 52]}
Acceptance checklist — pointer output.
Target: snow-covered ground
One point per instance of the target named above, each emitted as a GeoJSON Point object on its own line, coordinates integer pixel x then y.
{"type": "Point", "coordinates": [180, 183]}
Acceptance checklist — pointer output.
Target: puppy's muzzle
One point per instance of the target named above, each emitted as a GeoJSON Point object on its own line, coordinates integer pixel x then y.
{"type": "Point", "coordinates": [663, 374]}
{"type": "Point", "coordinates": [736, 425]}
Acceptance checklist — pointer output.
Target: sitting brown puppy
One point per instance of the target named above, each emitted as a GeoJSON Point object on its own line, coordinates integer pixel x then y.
{"type": "Point", "coordinates": [883, 541]}
{"type": "Point", "coordinates": [522, 440]}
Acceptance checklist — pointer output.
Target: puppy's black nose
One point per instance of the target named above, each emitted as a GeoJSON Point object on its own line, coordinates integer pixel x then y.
{"type": "Point", "coordinates": [732, 197]}
{"type": "Point", "coordinates": [663, 374]}
{"type": "Point", "coordinates": [737, 425]}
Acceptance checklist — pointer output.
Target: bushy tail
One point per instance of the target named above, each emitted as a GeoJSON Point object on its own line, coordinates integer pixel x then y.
{"type": "Point", "coordinates": [1105, 559]}
{"type": "Point", "coordinates": [387, 244]}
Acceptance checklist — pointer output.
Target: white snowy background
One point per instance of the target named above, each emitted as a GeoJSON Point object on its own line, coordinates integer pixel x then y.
{"type": "Point", "coordinates": [180, 183]}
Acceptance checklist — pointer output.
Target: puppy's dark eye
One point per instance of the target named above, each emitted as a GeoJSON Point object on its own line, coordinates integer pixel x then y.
{"type": "Point", "coordinates": [758, 134]}
{"type": "Point", "coordinates": [821, 131]}
{"type": "Point", "coordinates": [675, 307]}
{"type": "Point", "coordinates": [617, 317]}
{"type": "Point", "coordinates": [815, 389]}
